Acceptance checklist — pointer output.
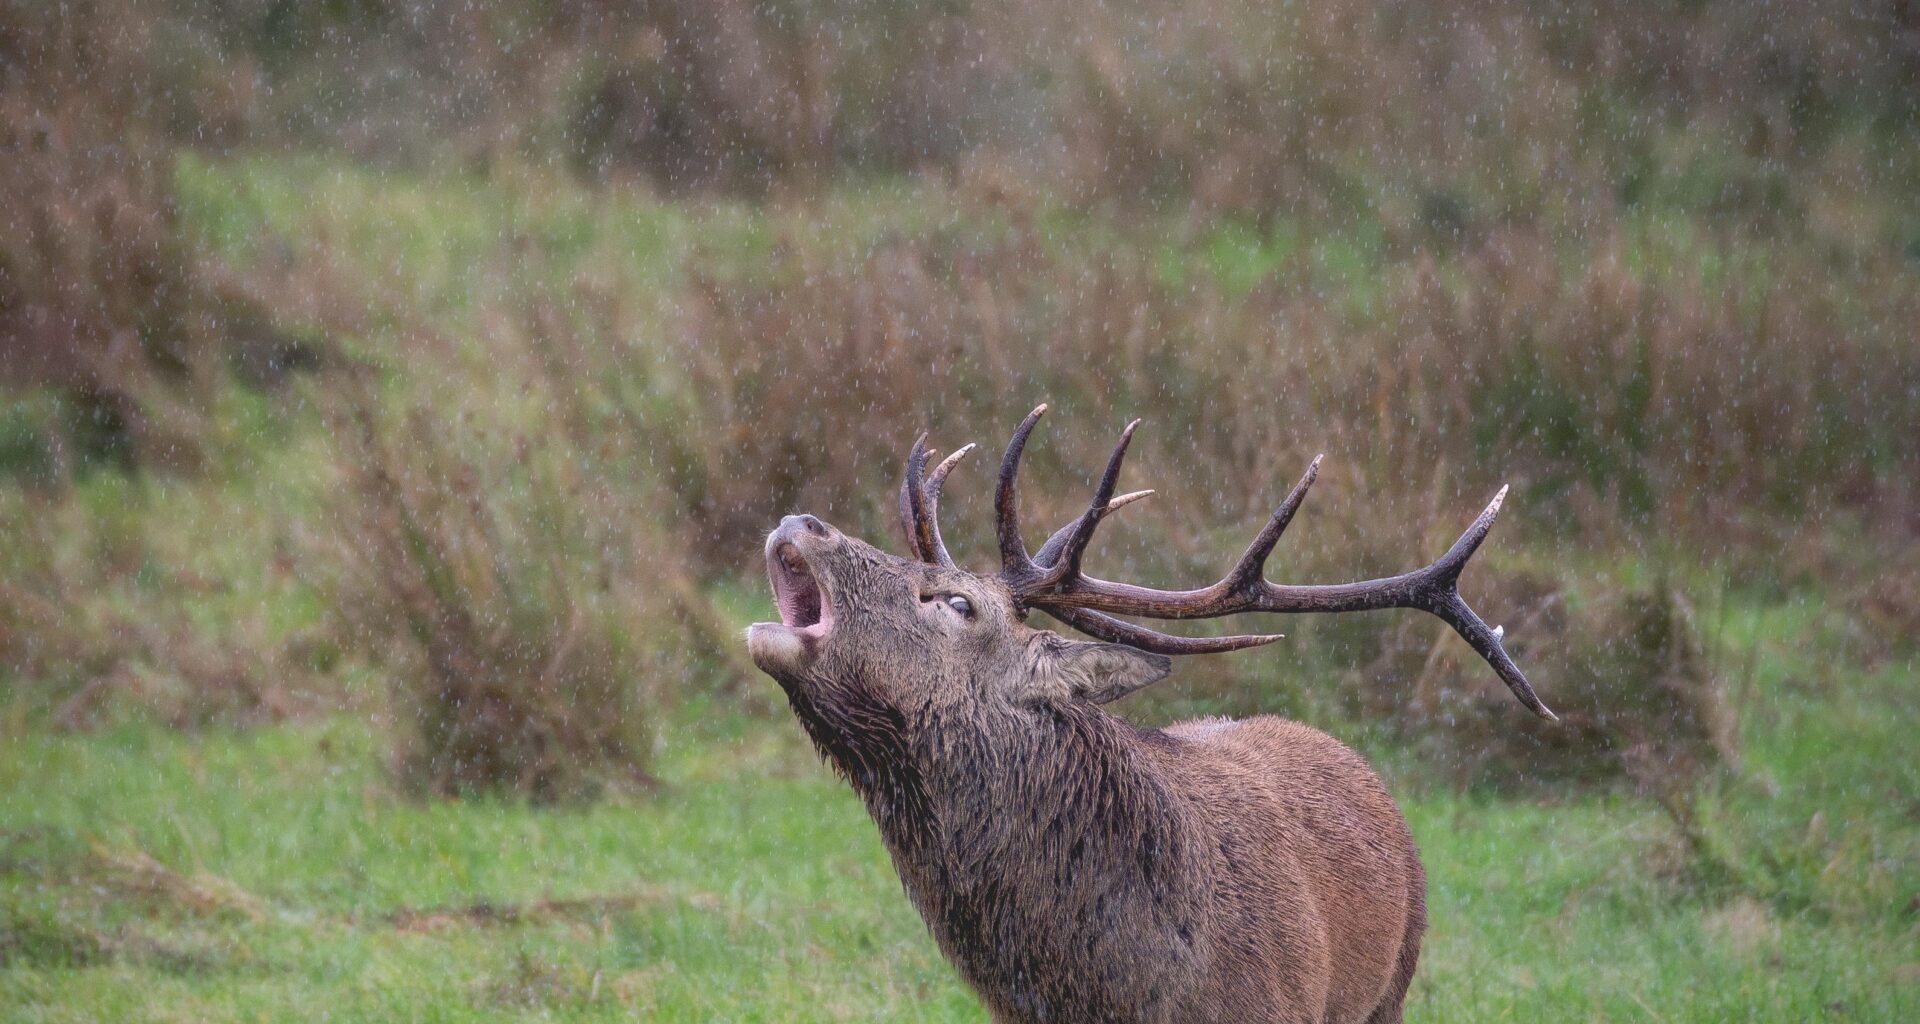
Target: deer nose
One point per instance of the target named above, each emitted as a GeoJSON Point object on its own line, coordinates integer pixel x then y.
{"type": "Point", "coordinates": [807, 523]}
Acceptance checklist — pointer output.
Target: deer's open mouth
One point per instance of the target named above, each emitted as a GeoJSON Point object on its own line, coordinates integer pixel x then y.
{"type": "Point", "coordinates": [803, 604]}
{"type": "Point", "coordinates": [785, 648]}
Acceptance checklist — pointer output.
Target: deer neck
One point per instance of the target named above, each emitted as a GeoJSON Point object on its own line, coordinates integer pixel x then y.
{"type": "Point", "coordinates": [1039, 849]}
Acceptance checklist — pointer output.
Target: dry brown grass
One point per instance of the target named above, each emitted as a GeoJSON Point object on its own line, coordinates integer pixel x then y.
{"type": "Point", "coordinates": [1636, 404]}
{"type": "Point", "coordinates": [1479, 114]}
{"type": "Point", "coordinates": [499, 547]}
{"type": "Point", "coordinates": [1622, 400]}
{"type": "Point", "coordinates": [101, 296]}
{"type": "Point", "coordinates": [515, 665]}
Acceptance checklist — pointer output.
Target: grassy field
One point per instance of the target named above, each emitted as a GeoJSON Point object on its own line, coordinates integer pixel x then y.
{"type": "Point", "coordinates": [171, 849]}
{"type": "Point", "coordinates": [384, 471]}
{"type": "Point", "coordinates": [274, 874]}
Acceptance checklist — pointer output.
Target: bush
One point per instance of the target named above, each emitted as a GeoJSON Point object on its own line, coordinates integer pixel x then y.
{"type": "Point", "coordinates": [1640, 697]}
{"type": "Point", "coordinates": [499, 548]}
{"type": "Point", "coordinates": [496, 580]}
{"type": "Point", "coordinates": [101, 296]}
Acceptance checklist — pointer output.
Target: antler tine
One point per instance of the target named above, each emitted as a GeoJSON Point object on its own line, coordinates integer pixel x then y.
{"type": "Point", "coordinates": [1006, 500]}
{"type": "Point", "coordinates": [1252, 566]}
{"type": "Point", "coordinates": [1450, 564]}
{"type": "Point", "coordinates": [1450, 607]}
{"type": "Point", "coordinates": [1486, 641]}
{"type": "Point", "coordinates": [914, 520]}
{"type": "Point", "coordinates": [932, 487]}
{"type": "Point", "coordinates": [1051, 549]}
{"type": "Point", "coordinates": [938, 477]}
{"type": "Point", "coordinates": [1065, 562]}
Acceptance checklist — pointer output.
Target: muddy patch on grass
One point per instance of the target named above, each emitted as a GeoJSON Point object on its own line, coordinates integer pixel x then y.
{"type": "Point", "coordinates": [485, 913]}
{"type": "Point", "coordinates": [1743, 927]}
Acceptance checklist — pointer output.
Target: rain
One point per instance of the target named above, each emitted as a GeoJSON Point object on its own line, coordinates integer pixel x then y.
{"type": "Point", "coordinates": [488, 529]}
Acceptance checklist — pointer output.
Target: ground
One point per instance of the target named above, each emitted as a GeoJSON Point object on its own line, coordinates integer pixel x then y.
{"type": "Point", "coordinates": [274, 874]}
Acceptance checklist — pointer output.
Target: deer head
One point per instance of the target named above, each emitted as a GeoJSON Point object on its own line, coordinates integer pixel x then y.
{"type": "Point", "coordinates": [923, 631]}
{"type": "Point", "coordinates": [915, 634]}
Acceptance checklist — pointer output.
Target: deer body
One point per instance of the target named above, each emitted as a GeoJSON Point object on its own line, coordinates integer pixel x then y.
{"type": "Point", "coordinates": [1214, 871]}
{"type": "Point", "coordinates": [1071, 866]}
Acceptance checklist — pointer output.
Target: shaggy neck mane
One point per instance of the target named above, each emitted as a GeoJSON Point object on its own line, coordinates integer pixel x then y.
{"type": "Point", "coordinates": [989, 819]}
{"type": "Point", "coordinates": [865, 740]}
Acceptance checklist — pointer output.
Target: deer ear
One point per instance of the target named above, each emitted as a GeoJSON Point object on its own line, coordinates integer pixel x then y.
{"type": "Point", "coordinates": [1095, 672]}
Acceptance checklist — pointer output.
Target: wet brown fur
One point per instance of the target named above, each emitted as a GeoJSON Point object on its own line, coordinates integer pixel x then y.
{"type": "Point", "coordinates": [1074, 867]}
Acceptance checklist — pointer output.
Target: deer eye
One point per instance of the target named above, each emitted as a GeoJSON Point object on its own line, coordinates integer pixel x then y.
{"type": "Point", "coordinates": [960, 604]}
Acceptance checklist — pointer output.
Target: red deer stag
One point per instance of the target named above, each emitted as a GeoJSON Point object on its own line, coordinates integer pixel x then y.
{"type": "Point", "coordinates": [1072, 866]}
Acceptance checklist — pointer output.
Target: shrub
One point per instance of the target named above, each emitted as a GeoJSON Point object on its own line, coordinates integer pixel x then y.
{"type": "Point", "coordinates": [500, 547]}
{"type": "Point", "coordinates": [1640, 697]}
{"type": "Point", "coordinates": [101, 296]}
{"type": "Point", "coordinates": [498, 582]}
{"type": "Point", "coordinates": [1464, 117]}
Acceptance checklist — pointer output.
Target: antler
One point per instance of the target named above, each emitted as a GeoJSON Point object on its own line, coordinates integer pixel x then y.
{"type": "Point", "coordinates": [920, 503]}
{"type": "Point", "coordinates": [1053, 580]}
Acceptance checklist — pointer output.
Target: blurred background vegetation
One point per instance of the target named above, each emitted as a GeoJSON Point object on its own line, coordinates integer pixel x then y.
{"type": "Point", "coordinates": [401, 389]}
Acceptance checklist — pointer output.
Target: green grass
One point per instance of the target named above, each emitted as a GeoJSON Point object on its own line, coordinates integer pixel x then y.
{"type": "Point", "coordinates": [274, 874]}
